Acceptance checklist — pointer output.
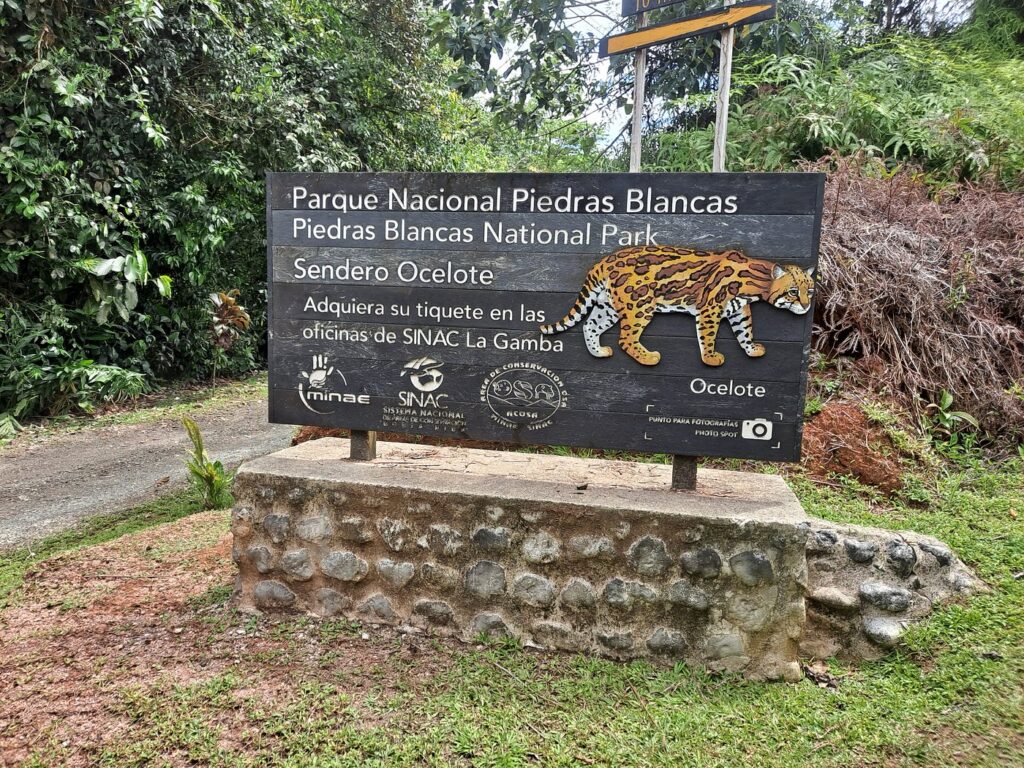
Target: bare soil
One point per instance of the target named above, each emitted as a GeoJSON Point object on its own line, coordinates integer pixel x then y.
{"type": "Point", "coordinates": [93, 626]}
{"type": "Point", "coordinates": [840, 440]}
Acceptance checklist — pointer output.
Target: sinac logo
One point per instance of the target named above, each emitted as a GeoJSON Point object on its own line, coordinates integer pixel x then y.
{"type": "Point", "coordinates": [424, 373]}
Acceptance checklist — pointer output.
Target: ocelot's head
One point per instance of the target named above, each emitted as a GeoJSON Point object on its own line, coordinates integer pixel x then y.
{"type": "Point", "coordinates": [792, 288]}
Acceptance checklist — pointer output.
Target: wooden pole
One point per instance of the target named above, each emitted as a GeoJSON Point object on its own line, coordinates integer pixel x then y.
{"type": "Point", "coordinates": [684, 468]}
{"type": "Point", "coordinates": [639, 85]}
{"type": "Point", "coordinates": [362, 445]}
{"type": "Point", "coordinates": [728, 37]}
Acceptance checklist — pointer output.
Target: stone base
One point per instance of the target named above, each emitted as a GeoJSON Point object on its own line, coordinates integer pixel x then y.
{"type": "Point", "coordinates": [576, 554]}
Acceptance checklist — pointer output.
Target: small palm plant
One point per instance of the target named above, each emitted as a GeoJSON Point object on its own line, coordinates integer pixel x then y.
{"type": "Point", "coordinates": [208, 477]}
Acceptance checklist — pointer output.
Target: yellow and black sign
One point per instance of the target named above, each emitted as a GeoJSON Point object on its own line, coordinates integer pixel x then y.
{"type": "Point", "coordinates": [689, 26]}
{"type": "Point", "coordinates": [633, 7]}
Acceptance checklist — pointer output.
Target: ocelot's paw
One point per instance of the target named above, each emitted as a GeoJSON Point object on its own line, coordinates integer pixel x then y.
{"type": "Point", "coordinates": [756, 350]}
{"type": "Point", "coordinates": [714, 359]}
{"type": "Point", "coordinates": [644, 356]}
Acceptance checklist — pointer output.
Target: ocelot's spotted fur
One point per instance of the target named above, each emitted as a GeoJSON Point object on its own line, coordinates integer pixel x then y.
{"type": "Point", "coordinates": [632, 284]}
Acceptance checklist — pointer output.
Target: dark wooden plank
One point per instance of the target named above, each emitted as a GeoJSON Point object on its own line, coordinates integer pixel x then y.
{"type": "Point", "coordinates": [599, 393]}
{"type": "Point", "coordinates": [756, 193]}
{"type": "Point", "coordinates": [517, 311]}
{"type": "Point", "coordinates": [769, 237]}
{"type": "Point", "coordinates": [566, 352]}
{"type": "Point", "coordinates": [545, 271]}
{"type": "Point", "coordinates": [475, 420]}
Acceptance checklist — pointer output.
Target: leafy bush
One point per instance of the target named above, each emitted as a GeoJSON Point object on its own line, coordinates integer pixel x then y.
{"type": "Point", "coordinates": [947, 104]}
{"type": "Point", "coordinates": [134, 136]}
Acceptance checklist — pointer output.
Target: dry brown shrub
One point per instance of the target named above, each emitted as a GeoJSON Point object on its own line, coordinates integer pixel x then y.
{"type": "Point", "coordinates": [927, 290]}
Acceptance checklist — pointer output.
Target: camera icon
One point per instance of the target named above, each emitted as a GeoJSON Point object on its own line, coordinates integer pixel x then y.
{"type": "Point", "coordinates": [756, 429]}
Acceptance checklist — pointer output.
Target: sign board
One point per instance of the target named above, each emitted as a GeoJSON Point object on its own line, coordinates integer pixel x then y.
{"type": "Point", "coordinates": [644, 312]}
{"type": "Point", "coordinates": [635, 7]}
{"type": "Point", "coordinates": [688, 26]}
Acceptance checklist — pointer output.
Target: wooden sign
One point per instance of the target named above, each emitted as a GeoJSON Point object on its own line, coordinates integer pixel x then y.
{"type": "Point", "coordinates": [689, 26]}
{"type": "Point", "coordinates": [635, 7]}
{"type": "Point", "coordinates": [644, 312]}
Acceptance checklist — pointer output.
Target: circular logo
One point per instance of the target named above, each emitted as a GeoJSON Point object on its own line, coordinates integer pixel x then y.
{"type": "Point", "coordinates": [424, 373]}
{"type": "Point", "coordinates": [523, 395]}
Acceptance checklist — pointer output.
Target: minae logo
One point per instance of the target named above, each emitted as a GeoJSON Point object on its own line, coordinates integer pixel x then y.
{"type": "Point", "coordinates": [321, 387]}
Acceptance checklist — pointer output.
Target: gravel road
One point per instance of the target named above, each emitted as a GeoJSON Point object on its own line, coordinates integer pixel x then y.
{"type": "Point", "coordinates": [49, 485]}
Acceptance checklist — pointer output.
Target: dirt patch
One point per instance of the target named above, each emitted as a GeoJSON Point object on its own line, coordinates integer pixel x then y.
{"type": "Point", "coordinates": [841, 440]}
{"type": "Point", "coordinates": [93, 629]}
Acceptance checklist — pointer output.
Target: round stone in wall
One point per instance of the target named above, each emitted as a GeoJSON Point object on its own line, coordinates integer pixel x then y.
{"type": "Point", "coordinates": [314, 529]}
{"type": "Point", "coordinates": [534, 590]}
{"type": "Point", "coordinates": [821, 542]}
{"type": "Point", "coordinates": [435, 611]}
{"type": "Point", "coordinates": [941, 554]}
{"type": "Point", "coordinates": [649, 556]}
{"type": "Point", "coordinates": [277, 527]}
{"type": "Point", "coordinates": [542, 547]}
{"type": "Point", "coordinates": [377, 608]}
{"type": "Point", "coordinates": [261, 558]}
{"type": "Point", "coordinates": [901, 557]}
{"type": "Point", "coordinates": [578, 595]}
{"type": "Point", "coordinates": [344, 566]}
{"type": "Point", "coordinates": [752, 568]}
{"type": "Point", "coordinates": [395, 574]}
{"type": "Point", "coordinates": [835, 598]}
{"type": "Point", "coordinates": [683, 594]}
{"type": "Point", "coordinates": [623, 595]}
{"type": "Point", "coordinates": [298, 565]}
{"type": "Point", "coordinates": [888, 598]}
{"type": "Point", "coordinates": [724, 646]}
{"type": "Point", "coordinates": [492, 539]}
{"type": "Point", "coordinates": [394, 532]}
{"type": "Point", "coordinates": [440, 576]}
{"type": "Point", "coordinates": [883, 632]}
{"type": "Point", "coordinates": [354, 529]}
{"type": "Point", "coordinates": [271, 594]}
{"type": "Point", "coordinates": [490, 624]}
{"type": "Point", "coordinates": [591, 548]}
{"type": "Point", "coordinates": [331, 602]}
{"type": "Point", "coordinates": [615, 641]}
{"type": "Point", "coordinates": [705, 563]}
{"type": "Point", "coordinates": [297, 495]}
{"type": "Point", "coordinates": [666, 642]}
{"type": "Point", "coordinates": [860, 551]}
{"type": "Point", "coordinates": [485, 579]}
{"type": "Point", "coordinates": [443, 539]}
{"type": "Point", "coordinates": [556, 634]}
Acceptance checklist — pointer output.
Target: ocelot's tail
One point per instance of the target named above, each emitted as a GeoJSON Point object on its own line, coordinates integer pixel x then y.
{"type": "Point", "coordinates": [588, 296]}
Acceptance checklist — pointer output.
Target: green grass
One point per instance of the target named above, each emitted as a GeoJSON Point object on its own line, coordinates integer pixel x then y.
{"type": "Point", "coordinates": [95, 530]}
{"type": "Point", "coordinates": [952, 695]}
{"type": "Point", "coordinates": [170, 403]}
